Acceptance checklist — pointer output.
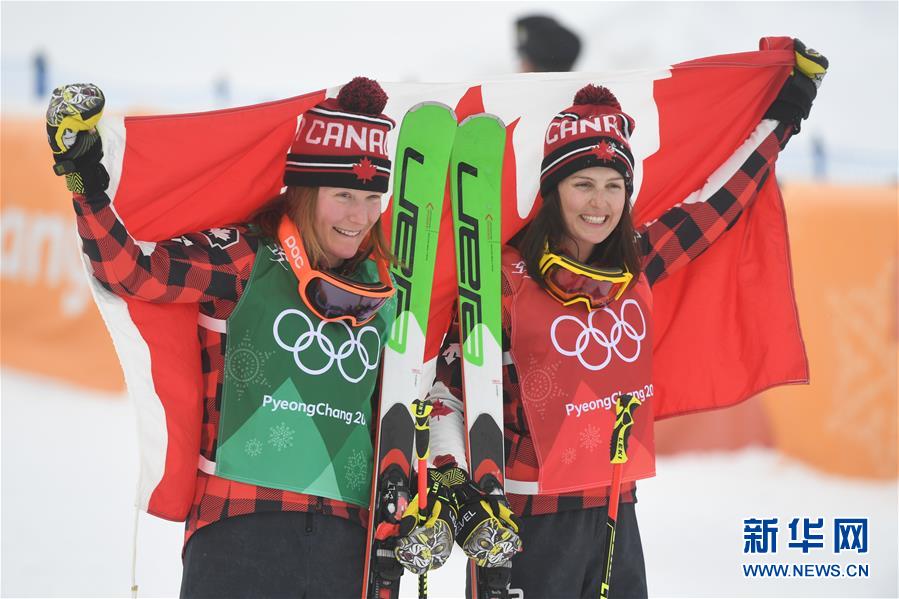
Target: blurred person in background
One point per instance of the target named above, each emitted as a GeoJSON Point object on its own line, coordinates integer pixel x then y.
{"type": "Point", "coordinates": [582, 258]}
{"type": "Point", "coordinates": [545, 45]}
{"type": "Point", "coordinates": [314, 260]}
{"type": "Point", "coordinates": [819, 158]}
{"type": "Point", "coordinates": [39, 62]}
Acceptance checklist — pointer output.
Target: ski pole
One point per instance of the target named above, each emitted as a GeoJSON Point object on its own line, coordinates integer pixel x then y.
{"type": "Point", "coordinates": [421, 411]}
{"type": "Point", "coordinates": [624, 420]}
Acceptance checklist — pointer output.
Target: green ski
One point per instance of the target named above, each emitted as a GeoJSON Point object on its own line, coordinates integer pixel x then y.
{"type": "Point", "coordinates": [419, 182]}
{"type": "Point", "coordinates": [476, 185]}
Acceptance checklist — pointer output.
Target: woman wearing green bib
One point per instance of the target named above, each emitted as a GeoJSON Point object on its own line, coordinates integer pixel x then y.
{"type": "Point", "coordinates": [295, 308]}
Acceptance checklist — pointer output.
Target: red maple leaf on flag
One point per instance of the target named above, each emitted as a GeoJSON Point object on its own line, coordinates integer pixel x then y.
{"type": "Point", "coordinates": [604, 151]}
{"type": "Point", "coordinates": [438, 409]}
{"type": "Point", "coordinates": [365, 170]}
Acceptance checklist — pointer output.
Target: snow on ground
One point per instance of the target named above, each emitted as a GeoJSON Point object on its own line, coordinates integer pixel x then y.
{"type": "Point", "coordinates": [69, 470]}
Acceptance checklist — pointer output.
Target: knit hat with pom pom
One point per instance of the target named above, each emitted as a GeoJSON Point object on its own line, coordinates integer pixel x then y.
{"type": "Point", "coordinates": [592, 132]}
{"type": "Point", "coordinates": [342, 142]}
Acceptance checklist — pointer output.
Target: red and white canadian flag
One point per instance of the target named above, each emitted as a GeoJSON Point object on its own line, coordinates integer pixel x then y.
{"type": "Point", "coordinates": [736, 331]}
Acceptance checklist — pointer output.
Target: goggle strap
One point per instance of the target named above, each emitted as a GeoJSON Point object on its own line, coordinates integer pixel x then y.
{"type": "Point", "coordinates": [287, 232]}
{"type": "Point", "coordinates": [550, 258]}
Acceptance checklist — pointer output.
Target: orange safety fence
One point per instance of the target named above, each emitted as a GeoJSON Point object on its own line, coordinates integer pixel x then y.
{"type": "Point", "coordinates": [844, 264]}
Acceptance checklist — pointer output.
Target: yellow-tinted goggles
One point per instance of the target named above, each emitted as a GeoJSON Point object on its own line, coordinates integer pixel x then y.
{"type": "Point", "coordinates": [570, 281]}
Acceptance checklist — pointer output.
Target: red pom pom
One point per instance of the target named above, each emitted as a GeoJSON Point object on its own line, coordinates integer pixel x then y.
{"type": "Point", "coordinates": [592, 94]}
{"type": "Point", "coordinates": [362, 95]}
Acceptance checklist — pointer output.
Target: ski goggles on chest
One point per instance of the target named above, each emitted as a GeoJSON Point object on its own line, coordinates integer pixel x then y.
{"type": "Point", "coordinates": [329, 295]}
{"type": "Point", "coordinates": [570, 281]}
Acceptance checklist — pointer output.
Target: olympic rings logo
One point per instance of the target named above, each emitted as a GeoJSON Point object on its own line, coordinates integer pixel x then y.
{"type": "Point", "coordinates": [609, 342]}
{"type": "Point", "coordinates": [353, 345]}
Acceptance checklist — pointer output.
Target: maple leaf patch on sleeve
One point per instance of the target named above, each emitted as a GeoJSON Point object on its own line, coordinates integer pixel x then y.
{"type": "Point", "coordinates": [222, 238]}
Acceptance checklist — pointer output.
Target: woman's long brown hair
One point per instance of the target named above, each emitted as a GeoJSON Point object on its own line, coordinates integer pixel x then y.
{"type": "Point", "coordinates": [617, 250]}
{"type": "Point", "coordinates": [300, 203]}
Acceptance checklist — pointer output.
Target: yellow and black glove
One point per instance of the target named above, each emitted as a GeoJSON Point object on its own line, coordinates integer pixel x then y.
{"type": "Point", "coordinates": [794, 101]}
{"type": "Point", "coordinates": [426, 538]}
{"type": "Point", "coordinates": [487, 530]}
{"type": "Point", "coordinates": [72, 118]}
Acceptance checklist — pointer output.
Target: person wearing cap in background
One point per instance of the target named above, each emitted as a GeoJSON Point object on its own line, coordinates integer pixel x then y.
{"type": "Point", "coordinates": [581, 274]}
{"type": "Point", "coordinates": [545, 45]}
{"type": "Point", "coordinates": [282, 491]}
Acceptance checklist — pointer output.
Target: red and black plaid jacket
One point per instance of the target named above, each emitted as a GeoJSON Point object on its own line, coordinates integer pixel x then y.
{"type": "Point", "coordinates": [194, 268]}
{"type": "Point", "coordinates": [679, 236]}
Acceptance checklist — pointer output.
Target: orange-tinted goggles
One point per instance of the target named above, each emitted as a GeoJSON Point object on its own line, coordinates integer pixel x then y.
{"type": "Point", "coordinates": [329, 295]}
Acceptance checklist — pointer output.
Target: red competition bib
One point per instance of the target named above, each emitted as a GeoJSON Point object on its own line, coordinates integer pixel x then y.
{"type": "Point", "coordinates": [572, 366]}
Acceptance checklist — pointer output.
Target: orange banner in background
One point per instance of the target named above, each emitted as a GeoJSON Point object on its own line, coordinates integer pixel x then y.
{"type": "Point", "coordinates": [844, 267]}
{"type": "Point", "coordinates": [50, 324]}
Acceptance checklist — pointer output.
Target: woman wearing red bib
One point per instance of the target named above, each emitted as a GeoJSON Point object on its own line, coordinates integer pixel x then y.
{"type": "Point", "coordinates": [295, 309]}
{"type": "Point", "coordinates": [578, 337]}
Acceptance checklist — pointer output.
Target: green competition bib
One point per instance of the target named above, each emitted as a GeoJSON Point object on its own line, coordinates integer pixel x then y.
{"type": "Point", "coordinates": [296, 397]}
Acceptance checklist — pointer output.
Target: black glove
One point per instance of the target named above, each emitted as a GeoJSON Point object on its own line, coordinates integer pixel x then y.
{"type": "Point", "coordinates": [426, 538]}
{"type": "Point", "coordinates": [487, 530]}
{"type": "Point", "coordinates": [794, 101]}
{"type": "Point", "coordinates": [72, 118]}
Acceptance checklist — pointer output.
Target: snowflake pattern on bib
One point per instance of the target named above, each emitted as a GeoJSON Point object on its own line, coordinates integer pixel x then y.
{"type": "Point", "coordinates": [356, 470]}
{"type": "Point", "coordinates": [281, 437]}
{"type": "Point", "coordinates": [246, 364]}
{"type": "Point", "coordinates": [253, 448]}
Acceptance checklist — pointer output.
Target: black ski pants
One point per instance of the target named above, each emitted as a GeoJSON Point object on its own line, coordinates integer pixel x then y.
{"type": "Point", "coordinates": [274, 555]}
{"type": "Point", "coordinates": [562, 557]}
